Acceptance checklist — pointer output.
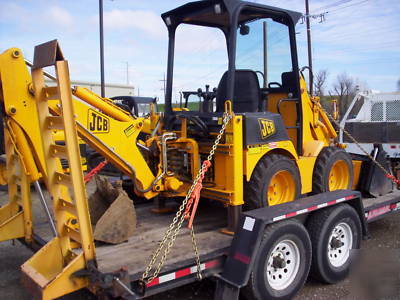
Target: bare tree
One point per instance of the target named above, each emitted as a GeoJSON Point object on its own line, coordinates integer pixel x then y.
{"type": "Point", "coordinates": [320, 81]}
{"type": "Point", "coordinates": [345, 88]}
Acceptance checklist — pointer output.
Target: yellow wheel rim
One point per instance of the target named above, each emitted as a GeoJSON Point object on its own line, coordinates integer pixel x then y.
{"type": "Point", "coordinates": [281, 189]}
{"type": "Point", "coordinates": [339, 176]}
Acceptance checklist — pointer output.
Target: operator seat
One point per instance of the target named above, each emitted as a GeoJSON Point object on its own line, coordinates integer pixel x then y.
{"type": "Point", "coordinates": [289, 82]}
{"type": "Point", "coordinates": [246, 95]}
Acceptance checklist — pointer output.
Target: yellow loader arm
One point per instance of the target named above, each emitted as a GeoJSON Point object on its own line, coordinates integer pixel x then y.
{"type": "Point", "coordinates": [104, 126]}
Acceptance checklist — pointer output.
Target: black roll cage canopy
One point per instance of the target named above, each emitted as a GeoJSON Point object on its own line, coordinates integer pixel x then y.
{"type": "Point", "coordinates": [225, 15]}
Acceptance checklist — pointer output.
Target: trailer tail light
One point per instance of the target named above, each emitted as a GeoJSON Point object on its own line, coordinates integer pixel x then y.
{"type": "Point", "coordinates": [393, 146]}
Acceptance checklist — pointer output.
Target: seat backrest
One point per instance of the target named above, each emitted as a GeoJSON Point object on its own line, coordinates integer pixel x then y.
{"type": "Point", "coordinates": [246, 95]}
{"type": "Point", "coordinates": [288, 82]}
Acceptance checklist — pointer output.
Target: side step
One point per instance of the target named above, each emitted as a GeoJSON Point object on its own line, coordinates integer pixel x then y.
{"type": "Point", "coordinates": [49, 272]}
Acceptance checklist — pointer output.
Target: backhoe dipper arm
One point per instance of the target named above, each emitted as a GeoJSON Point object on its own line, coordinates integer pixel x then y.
{"type": "Point", "coordinates": [103, 125]}
{"type": "Point", "coordinates": [112, 132]}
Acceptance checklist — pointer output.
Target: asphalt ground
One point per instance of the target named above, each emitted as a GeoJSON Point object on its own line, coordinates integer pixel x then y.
{"type": "Point", "coordinates": [379, 277]}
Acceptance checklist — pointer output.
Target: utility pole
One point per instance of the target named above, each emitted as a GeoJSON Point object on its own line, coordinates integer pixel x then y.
{"type": "Point", "coordinates": [309, 46]}
{"type": "Point", "coordinates": [103, 90]}
{"type": "Point", "coordinates": [265, 35]}
{"type": "Point", "coordinates": [127, 73]}
{"type": "Point", "coordinates": [164, 82]}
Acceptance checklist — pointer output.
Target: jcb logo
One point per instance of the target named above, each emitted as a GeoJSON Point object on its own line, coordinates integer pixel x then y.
{"type": "Point", "coordinates": [98, 123]}
{"type": "Point", "coordinates": [267, 128]}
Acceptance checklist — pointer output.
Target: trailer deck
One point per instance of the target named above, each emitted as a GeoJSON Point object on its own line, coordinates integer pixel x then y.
{"type": "Point", "coordinates": [376, 208]}
{"type": "Point", "coordinates": [214, 246]}
{"type": "Point", "coordinates": [135, 253]}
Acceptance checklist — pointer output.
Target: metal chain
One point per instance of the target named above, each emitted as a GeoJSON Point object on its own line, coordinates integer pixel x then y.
{"type": "Point", "coordinates": [179, 218]}
{"type": "Point", "coordinates": [357, 143]}
{"type": "Point", "coordinates": [196, 253]}
{"type": "Point", "coordinates": [88, 177]}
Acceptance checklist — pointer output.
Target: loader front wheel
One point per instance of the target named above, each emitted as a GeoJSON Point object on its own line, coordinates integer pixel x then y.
{"type": "Point", "coordinates": [333, 171]}
{"type": "Point", "coordinates": [275, 180]}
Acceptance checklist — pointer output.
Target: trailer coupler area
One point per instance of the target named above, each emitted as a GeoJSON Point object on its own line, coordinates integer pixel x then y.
{"type": "Point", "coordinates": [114, 285]}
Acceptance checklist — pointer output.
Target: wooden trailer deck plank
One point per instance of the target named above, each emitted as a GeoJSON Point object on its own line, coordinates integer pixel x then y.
{"type": "Point", "coordinates": [135, 253]}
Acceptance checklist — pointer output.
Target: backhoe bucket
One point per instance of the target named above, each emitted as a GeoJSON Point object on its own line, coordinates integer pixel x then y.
{"type": "Point", "coordinates": [3, 171]}
{"type": "Point", "coordinates": [112, 213]}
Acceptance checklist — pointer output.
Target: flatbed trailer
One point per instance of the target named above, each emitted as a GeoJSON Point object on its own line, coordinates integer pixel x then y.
{"type": "Point", "coordinates": [228, 259]}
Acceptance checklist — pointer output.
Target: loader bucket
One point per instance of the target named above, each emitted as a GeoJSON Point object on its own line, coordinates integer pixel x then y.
{"type": "Point", "coordinates": [112, 213]}
{"type": "Point", "coordinates": [373, 179]}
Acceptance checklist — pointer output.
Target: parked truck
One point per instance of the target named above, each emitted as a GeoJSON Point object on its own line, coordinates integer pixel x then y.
{"type": "Point", "coordinates": [373, 118]}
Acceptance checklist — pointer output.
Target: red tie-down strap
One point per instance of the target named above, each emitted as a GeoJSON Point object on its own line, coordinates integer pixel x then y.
{"type": "Point", "coordinates": [95, 170]}
{"type": "Point", "coordinates": [394, 179]}
{"type": "Point", "coordinates": [195, 196]}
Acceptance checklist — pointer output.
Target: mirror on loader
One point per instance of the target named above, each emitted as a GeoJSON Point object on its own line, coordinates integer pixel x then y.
{"type": "Point", "coordinates": [248, 51]}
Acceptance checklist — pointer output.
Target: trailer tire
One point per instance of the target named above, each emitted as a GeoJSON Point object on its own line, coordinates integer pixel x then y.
{"type": "Point", "coordinates": [338, 224]}
{"type": "Point", "coordinates": [272, 167]}
{"type": "Point", "coordinates": [289, 242]}
{"type": "Point", "coordinates": [333, 171]}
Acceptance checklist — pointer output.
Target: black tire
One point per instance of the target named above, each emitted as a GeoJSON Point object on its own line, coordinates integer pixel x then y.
{"type": "Point", "coordinates": [258, 286]}
{"type": "Point", "coordinates": [320, 227]}
{"type": "Point", "coordinates": [255, 191]}
{"type": "Point", "coordinates": [323, 166]}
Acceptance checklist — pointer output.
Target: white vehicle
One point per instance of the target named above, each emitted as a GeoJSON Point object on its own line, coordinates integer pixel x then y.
{"type": "Point", "coordinates": [373, 118]}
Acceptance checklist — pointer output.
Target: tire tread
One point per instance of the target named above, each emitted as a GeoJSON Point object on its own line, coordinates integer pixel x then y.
{"type": "Point", "coordinates": [315, 227]}
{"type": "Point", "coordinates": [320, 168]}
{"type": "Point", "coordinates": [254, 186]}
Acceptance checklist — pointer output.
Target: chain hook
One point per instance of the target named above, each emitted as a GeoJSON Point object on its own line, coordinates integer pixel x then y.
{"type": "Point", "coordinates": [170, 235]}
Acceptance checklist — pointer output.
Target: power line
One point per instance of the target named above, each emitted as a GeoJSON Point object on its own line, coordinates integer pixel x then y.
{"type": "Point", "coordinates": [340, 2]}
{"type": "Point", "coordinates": [340, 8]}
{"type": "Point", "coordinates": [164, 85]}
{"type": "Point", "coordinates": [220, 67]}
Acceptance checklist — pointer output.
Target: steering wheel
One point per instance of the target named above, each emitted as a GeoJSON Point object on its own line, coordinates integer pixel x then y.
{"type": "Point", "coordinates": [270, 85]}
{"type": "Point", "coordinates": [197, 122]}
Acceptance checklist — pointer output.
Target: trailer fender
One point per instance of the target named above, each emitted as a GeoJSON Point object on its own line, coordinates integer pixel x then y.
{"type": "Point", "coordinates": [251, 226]}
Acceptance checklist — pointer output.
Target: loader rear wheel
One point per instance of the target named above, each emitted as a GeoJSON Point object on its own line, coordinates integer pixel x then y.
{"type": "Point", "coordinates": [333, 171]}
{"type": "Point", "coordinates": [275, 180]}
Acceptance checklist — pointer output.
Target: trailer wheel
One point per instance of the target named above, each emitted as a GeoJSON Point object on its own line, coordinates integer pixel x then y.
{"type": "Point", "coordinates": [334, 232]}
{"type": "Point", "coordinates": [275, 180]}
{"type": "Point", "coordinates": [333, 171]}
{"type": "Point", "coordinates": [282, 262]}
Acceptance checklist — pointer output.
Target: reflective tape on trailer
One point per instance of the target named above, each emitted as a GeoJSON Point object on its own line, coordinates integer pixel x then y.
{"type": "Point", "coordinates": [379, 211]}
{"type": "Point", "coordinates": [311, 208]}
{"type": "Point", "coordinates": [183, 272]}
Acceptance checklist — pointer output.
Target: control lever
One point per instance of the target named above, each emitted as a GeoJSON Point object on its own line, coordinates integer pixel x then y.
{"type": "Point", "coordinates": [208, 97]}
